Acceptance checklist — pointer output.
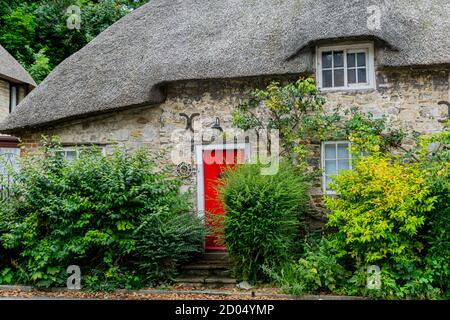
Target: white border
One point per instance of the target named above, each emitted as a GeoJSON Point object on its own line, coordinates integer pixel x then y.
{"type": "Point", "coordinates": [370, 66]}
{"type": "Point", "coordinates": [199, 161]}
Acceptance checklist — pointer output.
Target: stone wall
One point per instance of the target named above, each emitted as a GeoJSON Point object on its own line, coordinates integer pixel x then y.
{"type": "Point", "coordinates": [408, 97]}
{"type": "Point", "coordinates": [4, 99]}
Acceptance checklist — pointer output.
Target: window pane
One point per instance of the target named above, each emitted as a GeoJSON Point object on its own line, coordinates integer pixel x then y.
{"type": "Point", "coordinates": [338, 59]}
{"type": "Point", "coordinates": [330, 167]}
{"type": "Point", "coordinates": [342, 151]}
{"type": "Point", "coordinates": [71, 155]}
{"type": "Point", "coordinates": [362, 76]}
{"type": "Point", "coordinates": [351, 60]}
{"type": "Point", "coordinates": [327, 181]}
{"type": "Point", "coordinates": [327, 78]}
{"type": "Point", "coordinates": [351, 76]}
{"type": "Point", "coordinates": [330, 151]}
{"type": "Point", "coordinates": [339, 78]}
{"type": "Point", "coordinates": [343, 164]}
{"type": "Point", "coordinates": [361, 59]}
{"type": "Point", "coordinates": [13, 98]}
{"type": "Point", "coordinates": [326, 59]}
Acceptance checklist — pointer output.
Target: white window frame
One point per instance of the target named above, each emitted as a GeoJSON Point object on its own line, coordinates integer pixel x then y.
{"type": "Point", "coordinates": [76, 149]}
{"type": "Point", "coordinates": [322, 157]}
{"type": "Point", "coordinates": [351, 48]}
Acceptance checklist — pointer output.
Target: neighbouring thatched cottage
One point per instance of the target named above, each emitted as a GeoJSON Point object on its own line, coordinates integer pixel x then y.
{"type": "Point", "coordinates": [15, 84]}
{"type": "Point", "coordinates": [132, 83]}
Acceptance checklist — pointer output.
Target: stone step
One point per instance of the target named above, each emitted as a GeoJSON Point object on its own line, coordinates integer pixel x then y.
{"type": "Point", "coordinates": [208, 265]}
{"type": "Point", "coordinates": [216, 255]}
{"type": "Point", "coordinates": [210, 270]}
{"type": "Point", "coordinates": [207, 272]}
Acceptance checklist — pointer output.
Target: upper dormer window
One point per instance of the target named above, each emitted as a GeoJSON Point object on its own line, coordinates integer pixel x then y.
{"type": "Point", "coordinates": [345, 67]}
{"type": "Point", "coordinates": [17, 93]}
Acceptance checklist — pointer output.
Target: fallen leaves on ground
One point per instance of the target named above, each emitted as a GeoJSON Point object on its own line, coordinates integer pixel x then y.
{"type": "Point", "coordinates": [233, 295]}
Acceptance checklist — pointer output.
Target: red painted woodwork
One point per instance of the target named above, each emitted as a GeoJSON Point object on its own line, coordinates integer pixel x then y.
{"type": "Point", "coordinates": [214, 163]}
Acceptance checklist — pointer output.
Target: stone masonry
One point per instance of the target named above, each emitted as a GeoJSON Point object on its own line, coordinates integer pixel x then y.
{"type": "Point", "coordinates": [408, 97]}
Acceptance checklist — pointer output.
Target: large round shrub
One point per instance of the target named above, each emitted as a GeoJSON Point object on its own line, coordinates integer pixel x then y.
{"type": "Point", "coordinates": [117, 217]}
{"type": "Point", "coordinates": [262, 214]}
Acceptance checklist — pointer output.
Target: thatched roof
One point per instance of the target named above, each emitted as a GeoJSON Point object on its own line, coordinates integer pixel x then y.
{"type": "Point", "coordinates": [170, 40]}
{"type": "Point", "coordinates": [11, 70]}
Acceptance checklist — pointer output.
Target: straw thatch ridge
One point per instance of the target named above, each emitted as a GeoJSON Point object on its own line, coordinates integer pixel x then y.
{"type": "Point", "coordinates": [171, 40]}
{"type": "Point", "coordinates": [11, 70]}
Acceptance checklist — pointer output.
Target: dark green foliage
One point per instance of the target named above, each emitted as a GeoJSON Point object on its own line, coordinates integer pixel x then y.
{"type": "Point", "coordinates": [164, 241]}
{"type": "Point", "coordinates": [116, 217]}
{"type": "Point", "coordinates": [395, 215]}
{"type": "Point", "coordinates": [436, 166]}
{"type": "Point", "coordinates": [36, 33]}
{"type": "Point", "coordinates": [317, 270]}
{"type": "Point", "coordinates": [262, 214]}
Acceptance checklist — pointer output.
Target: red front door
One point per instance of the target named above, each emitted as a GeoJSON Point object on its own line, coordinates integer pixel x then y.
{"type": "Point", "coordinates": [214, 163]}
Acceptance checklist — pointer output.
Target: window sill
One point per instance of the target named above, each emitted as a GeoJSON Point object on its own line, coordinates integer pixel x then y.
{"type": "Point", "coordinates": [349, 90]}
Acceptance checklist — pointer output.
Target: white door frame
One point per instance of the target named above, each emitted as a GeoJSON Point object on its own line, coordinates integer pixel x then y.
{"type": "Point", "coordinates": [199, 161]}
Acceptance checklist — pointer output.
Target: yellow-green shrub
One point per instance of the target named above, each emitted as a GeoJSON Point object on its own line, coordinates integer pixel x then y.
{"type": "Point", "coordinates": [381, 207]}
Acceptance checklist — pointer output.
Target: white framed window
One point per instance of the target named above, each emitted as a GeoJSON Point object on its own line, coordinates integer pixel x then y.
{"type": "Point", "coordinates": [17, 93]}
{"type": "Point", "coordinates": [73, 153]}
{"type": "Point", "coordinates": [345, 67]}
{"type": "Point", "coordinates": [336, 157]}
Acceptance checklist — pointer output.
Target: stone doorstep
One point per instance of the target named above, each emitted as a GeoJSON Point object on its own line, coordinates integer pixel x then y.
{"type": "Point", "coordinates": [187, 292]}
{"type": "Point", "coordinates": [202, 266]}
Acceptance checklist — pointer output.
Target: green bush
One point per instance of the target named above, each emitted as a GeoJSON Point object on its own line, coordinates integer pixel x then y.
{"type": "Point", "coordinates": [117, 217]}
{"type": "Point", "coordinates": [317, 271]}
{"type": "Point", "coordinates": [164, 241]}
{"type": "Point", "coordinates": [390, 214]}
{"type": "Point", "coordinates": [262, 214]}
{"type": "Point", "coordinates": [436, 167]}
{"type": "Point", "coordinates": [380, 211]}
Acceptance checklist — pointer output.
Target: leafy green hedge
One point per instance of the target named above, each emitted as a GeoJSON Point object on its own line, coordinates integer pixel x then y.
{"type": "Point", "coordinates": [390, 213]}
{"type": "Point", "coordinates": [118, 218]}
{"type": "Point", "coordinates": [262, 216]}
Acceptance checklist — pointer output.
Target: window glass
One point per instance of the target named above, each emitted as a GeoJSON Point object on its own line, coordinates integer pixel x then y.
{"type": "Point", "coordinates": [339, 80]}
{"type": "Point", "coordinates": [344, 164]}
{"type": "Point", "coordinates": [351, 59]}
{"type": "Point", "coordinates": [327, 78]}
{"type": "Point", "coordinates": [342, 151]}
{"type": "Point", "coordinates": [338, 59]}
{"type": "Point", "coordinates": [327, 60]}
{"type": "Point", "coordinates": [344, 68]}
{"type": "Point", "coordinates": [351, 76]}
{"type": "Point", "coordinates": [71, 154]}
{"type": "Point", "coordinates": [330, 167]}
{"type": "Point", "coordinates": [330, 151]}
{"type": "Point", "coordinates": [335, 158]}
{"type": "Point", "coordinates": [362, 75]}
{"type": "Point", "coordinates": [361, 59]}
{"type": "Point", "coordinates": [13, 97]}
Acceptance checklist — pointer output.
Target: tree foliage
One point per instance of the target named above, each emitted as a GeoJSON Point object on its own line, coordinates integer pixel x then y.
{"type": "Point", "coordinates": [36, 33]}
{"type": "Point", "coordinates": [391, 208]}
